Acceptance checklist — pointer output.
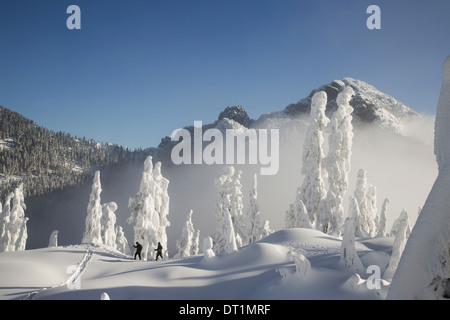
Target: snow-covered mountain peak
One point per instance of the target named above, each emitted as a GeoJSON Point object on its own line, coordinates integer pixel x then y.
{"type": "Point", "coordinates": [236, 113]}
{"type": "Point", "coordinates": [386, 107]}
{"type": "Point", "coordinates": [370, 104]}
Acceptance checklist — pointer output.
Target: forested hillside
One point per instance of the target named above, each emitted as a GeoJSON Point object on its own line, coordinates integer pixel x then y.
{"type": "Point", "coordinates": [47, 161]}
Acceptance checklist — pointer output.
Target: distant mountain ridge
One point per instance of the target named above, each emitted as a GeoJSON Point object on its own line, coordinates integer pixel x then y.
{"type": "Point", "coordinates": [370, 105]}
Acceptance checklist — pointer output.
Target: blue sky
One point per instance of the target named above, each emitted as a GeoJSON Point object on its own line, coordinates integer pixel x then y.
{"type": "Point", "coordinates": [139, 69]}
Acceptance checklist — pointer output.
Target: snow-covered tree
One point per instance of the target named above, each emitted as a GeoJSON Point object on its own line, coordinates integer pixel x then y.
{"type": "Point", "coordinates": [224, 206]}
{"type": "Point", "coordinates": [297, 215]}
{"type": "Point", "coordinates": [254, 216]}
{"type": "Point", "coordinates": [162, 201]}
{"type": "Point", "coordinates": [360, 195]}
{"type": "Point", "coordinates": [18, 221]}
{"type": "Point", "coordinates": [312, 190]}
{"type": "Point", "coordinates": [104, 296]}
{"type": "Point", "coordinates": [355, 215]}
{"type": "Point", "coordinates": [382, 223]}
{"type": "Point", "coordinates": [366, 197]}
{"type": "Point", "coordinates": [349, 254]}
{"type": "Point", "coordinates": [13, 223]}
{"type": "Point", "coordinates": [373, 219]}
{"type": "Point", "coordinates": [230, 235]}
{"type": "Point", "coordinates": [395, 225]}
{"type": "Point", "coordinates": [184, 245]}
{"type": "Point", "coordinates": [424, 268]}
{"type": "Point", "coordinates": [108, 222]}
{"type": "Point", "coordinates": [93, 229]}
{"type": "Point", "coordinates": [5, 233]}
{"type": "Point", "coordinates": [240, 221]}
{"type": "Point", "coordinates": [302, 264]}
{"type": "Point", "coordinates": [290, 218]}
{"type": "Point", "coordinates": [143, 211]}
{"type": "Point", "coordinates": [397, 248]}
{"type": "Point", "coordinates": [208, 248]}
{"type": "Point", "coordinates": [257, 229]}
{"type": "Point", "coordinates": [337, 162]}
{"type": "Point", "coordinates": [122, 242]}
{"type": "Point", "coordinates": [195, 243]}
{"type": "Point", "coordinates": [53, 240]}
{"type": "Point", "coordinates": [265, 230]}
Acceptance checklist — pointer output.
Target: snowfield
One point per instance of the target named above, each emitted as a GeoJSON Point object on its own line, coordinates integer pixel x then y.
{"type": "Point", "coordinates": [261, 271]}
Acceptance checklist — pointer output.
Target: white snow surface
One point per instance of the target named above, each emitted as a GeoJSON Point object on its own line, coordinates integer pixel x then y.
{"type": "Point", "coordinates": [263, 270]}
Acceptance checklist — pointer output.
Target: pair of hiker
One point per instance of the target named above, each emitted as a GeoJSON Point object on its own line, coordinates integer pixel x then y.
{"type": "Point", "coordinates": [138, 247]}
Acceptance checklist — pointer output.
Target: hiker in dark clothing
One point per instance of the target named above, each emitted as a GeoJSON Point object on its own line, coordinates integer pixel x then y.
{"type": "Point", "coordinates": [159, 251]}
{"type": "Point", "coordinates": [138, 247]}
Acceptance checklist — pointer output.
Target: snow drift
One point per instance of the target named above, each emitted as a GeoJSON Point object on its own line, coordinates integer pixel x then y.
{"type": "Point", "coordinates": [266, 270]}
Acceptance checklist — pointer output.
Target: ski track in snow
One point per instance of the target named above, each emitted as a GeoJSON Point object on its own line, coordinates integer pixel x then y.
{"type": "Point", "coordinates": [310, 250]}
{"type": "Point", "coordinates": [71, 280]}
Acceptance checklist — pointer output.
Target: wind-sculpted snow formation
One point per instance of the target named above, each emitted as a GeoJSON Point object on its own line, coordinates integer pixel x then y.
{"type": "Point", "coordinates": [424, 271]}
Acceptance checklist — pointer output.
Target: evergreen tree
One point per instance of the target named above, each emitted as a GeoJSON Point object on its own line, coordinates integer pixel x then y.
{"type": "Point", "coordinates": [185, 244]}
{"type": "Point", "coordinates": [397, 248]}
{"type": "Point", "coordinates": [149, 209]}
{"type": "Point", "coordinates": [18, 221]}
{"type": "Point", "coordinates": [355, 215]}
{"type": "Point", "coordinates": [224, 185]}
{"type": "Point", "coordinates": [312, 190]}
{"type": "Point", "coordinates": [13, 228]}
{"type": "Point", "coordinates": [162, 201]}
{"type": "Point", "coordinates": [290, 218]}
{"type": "Point", "coordinates": [92, 233]}
{"type": "Point", "coordinates": [297, 215]}
{"type": "Point", "coordinates": [302, 264]}
{"type": "Point", "coordinates": [382, 224]}
{"type": "Point", "coordinates": [208, 248]}
{"type": "Point", "coordinates": [230, 236]}
{"type": "Point", "coordinates": [53, 240]}
{"type": "Point", "coordinates": [122, 242]}
{"type": "Point", "coordinates": [395, 225]}
{"type": "Point", "coordinates": [5, 232]}
{"type": "Point", "coordinates": [365, 195]}
{"type": "Point", "coordinates": [237, 217]}
{"type": "Point", "coordinates": [143, 213]}
{"type": "Point", "coordinates": [196, 243]}
{"type": "Point", "coordinates": [256, 229]}
{"type": "Point", "coordinates": [337, 162]}
{"type": "Point", "coordinates": [265, 230]}
{"type": "Point", "coordinates": [108, 222]}
{"type": "Point", "coordinates": [349, 254]}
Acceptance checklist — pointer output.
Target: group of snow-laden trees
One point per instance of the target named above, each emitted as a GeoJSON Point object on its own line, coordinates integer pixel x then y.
{"type": "Point", "coordinates": [101, 220]}
{"type": "Point", "coordinates": [316, 206]}
{"type": "Point", "coordinates": [149, 209]}
{"type": "Point", "coordinates": [321, 208]}
{"type": "Point", "coordinates": [235, 226]}
{"type": "Point", "coordinates": [13, 223]}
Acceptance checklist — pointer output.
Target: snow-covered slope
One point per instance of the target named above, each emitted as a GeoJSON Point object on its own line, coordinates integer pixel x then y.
{"type": "Point", "coordinates": [262, 270]}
